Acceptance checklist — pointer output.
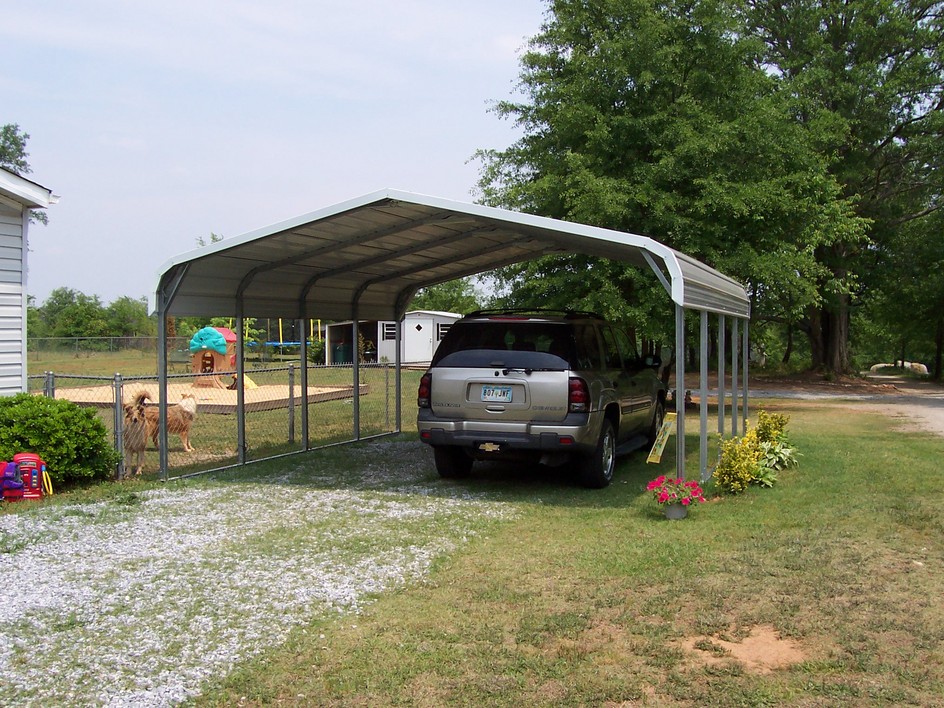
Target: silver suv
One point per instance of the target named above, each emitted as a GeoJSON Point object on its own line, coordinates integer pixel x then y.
{"type": "Point", "coordinates": [550, 387]}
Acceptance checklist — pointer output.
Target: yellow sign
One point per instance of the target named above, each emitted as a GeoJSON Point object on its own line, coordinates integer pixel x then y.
{"type": "Point", "coordinates": [662, 438]}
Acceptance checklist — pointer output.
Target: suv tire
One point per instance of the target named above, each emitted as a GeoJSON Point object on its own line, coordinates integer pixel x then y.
{"type": "Point", "coordinates": [452, 462]}
{"type": "Point", "coordinates": [657, 419]}
{"type": "Point", "coordinates": [596, 469]}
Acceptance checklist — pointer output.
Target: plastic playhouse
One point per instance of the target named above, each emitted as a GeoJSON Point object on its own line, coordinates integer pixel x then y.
{"type": "Point", "coordinates": [213, 351]}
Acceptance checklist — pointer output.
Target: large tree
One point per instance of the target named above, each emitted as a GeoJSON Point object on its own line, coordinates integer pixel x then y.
{"type": "Point", "coordinates": [69, 313]}
{"type": "Point", "coordinates": [903, 313]}
{"type": "Point", "coordinates": [128, 317]}
{"type": "Point", "coordinates": [865, 80]}
{"type": "Point", "coordinates": [675, 119]}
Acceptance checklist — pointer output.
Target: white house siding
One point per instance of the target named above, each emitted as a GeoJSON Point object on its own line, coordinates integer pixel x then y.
{"type": "Point", "coordinates": [12, 303]}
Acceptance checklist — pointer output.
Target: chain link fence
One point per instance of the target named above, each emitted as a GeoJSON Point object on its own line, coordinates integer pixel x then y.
{"type": "Point", "coordinates": [273, 402]}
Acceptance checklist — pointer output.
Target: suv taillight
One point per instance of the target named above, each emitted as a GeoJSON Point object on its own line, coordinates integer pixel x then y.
{"type": "Point", "coordinates": [578, 398]}
{"type": "Point", "coordinates": [422, 395]}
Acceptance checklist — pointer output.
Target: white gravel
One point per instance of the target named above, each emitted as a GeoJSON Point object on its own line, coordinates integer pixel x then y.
{"type": "Point", "coordinates": [141, 603]}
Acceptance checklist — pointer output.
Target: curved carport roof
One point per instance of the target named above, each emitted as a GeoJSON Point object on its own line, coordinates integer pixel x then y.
{"type": "Point", "coordinates": [367, 257]}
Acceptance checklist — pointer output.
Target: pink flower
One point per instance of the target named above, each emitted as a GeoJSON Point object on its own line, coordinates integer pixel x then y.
{"type": "Point", "coordinates": [656, 483]}
{"type": "Point", "coordinates": [664, 497]}
{"type": "Point", "coordinates": [686, 501]}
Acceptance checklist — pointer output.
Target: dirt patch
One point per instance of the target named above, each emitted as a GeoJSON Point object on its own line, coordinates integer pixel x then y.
{"type": "Point", "coordinates": [762, 651]}
{"type": "Point", "coordinates": [904, 415]}
{"type": "Point", "coordinates": [918, 404]}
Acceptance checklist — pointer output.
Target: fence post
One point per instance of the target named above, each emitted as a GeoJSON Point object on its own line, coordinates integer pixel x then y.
{"type": "Point", "coordinates": [119, 427]}
{"type": "Point", "coordinates": [291, 403]}
{"type": "Point", "coordinates": [386, 396]}
{"type": "Point", "coordinates": [49, 385]}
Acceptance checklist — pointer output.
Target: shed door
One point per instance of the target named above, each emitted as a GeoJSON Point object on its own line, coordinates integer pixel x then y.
{"type": "Point", "coordinates": [418, 337]}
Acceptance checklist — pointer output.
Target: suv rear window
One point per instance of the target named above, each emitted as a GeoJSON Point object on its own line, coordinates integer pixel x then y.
{"type": "Point", "coordinates": [532, 345]}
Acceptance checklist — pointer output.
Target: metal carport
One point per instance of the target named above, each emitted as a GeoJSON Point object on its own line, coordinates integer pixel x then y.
{"type": "Point", "coordinates": [367, 257]}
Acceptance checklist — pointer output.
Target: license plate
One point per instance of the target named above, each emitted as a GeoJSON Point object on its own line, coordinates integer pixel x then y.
{"type": "Point", "coordinates": [496, 394]}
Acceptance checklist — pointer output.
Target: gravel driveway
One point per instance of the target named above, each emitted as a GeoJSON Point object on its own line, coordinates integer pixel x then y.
{"type": "Point", "coordinates": [139, 601]}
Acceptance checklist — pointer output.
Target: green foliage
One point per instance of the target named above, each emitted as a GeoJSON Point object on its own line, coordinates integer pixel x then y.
{"type": "Point", "coordinates": [902, 318]}
{"type": "Point", "coordinates": [776, 456]}
{"type": "Point", "coordinates": [739, 464]}
{"type": "Point", "coordinates": [776, 452]}
{"type": "Point", "coordinates": [771, 427]}
{"type": "Point", "coordinates": [128, 317]}
{"type": "Point", "coordinates": [13, 158]}
{"type": "Point", "coordinates": [757, 457]}
{"type": "Point", "coordinates": [13, 149]}
{"type": "Point", "coordinates": [783, 143]}
{"type": "Point", "coordinates": [452, 296]}
{"type": "Point", "coordinates": [316, 351]}
{"type": "Point", "coordinates": [72, 440]}
{"type": "Point", "coordinates": [69, 313]}
{"type": "Point", "coordinates": [766, 476]}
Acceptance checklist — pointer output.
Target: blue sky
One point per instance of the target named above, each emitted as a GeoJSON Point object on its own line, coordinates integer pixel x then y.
{"type": "Point", "coordinates": [158, 123]}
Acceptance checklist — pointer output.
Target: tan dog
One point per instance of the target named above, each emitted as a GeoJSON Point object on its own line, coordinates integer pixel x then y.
{"type": "Point", "coordinates": [180, 418]}
{"type": "Point", "coordinates": [134, 432]}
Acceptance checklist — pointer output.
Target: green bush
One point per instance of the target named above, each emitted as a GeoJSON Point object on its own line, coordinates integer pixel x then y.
{"type": "Point", "coordinates": [740, 463]}
{"type": "Point", "coordinates": [771, 427]}
{"type": "Point", "coordinates": [71, 440]}
{"type": "Point", "coordinates": [777, 456]}
{"type": "Point", "coordinates": [316, 351]}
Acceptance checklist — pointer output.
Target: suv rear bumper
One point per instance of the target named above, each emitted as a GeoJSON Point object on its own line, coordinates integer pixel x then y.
{"type": "Point", "coordinates": [576, 433]}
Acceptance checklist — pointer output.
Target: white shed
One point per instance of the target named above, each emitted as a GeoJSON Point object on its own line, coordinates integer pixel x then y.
{"type": "Point", "coordinates": [422, 332]}
{"type": "Point", "coordinates": [17, 197]}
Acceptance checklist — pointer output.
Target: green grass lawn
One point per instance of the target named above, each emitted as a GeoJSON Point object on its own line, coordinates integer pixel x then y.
{"type": "Point", "coordinates": [592, 598]}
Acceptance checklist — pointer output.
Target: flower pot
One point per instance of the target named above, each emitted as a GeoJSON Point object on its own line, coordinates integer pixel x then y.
{"type": "Point", "coordinates": [675, 511]}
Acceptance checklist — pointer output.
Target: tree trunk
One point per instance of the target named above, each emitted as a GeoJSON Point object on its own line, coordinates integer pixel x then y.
{"type": "Point", "coordinates": [829, 337]}
{"type": "Point", "coordinates": [817, 346]}
{"type": "Point", "coordinates": [939, 350]}
{"type": "Point", "coordinates": [789, 350]}
{"type": "Point", "coordinates": [837, 346]}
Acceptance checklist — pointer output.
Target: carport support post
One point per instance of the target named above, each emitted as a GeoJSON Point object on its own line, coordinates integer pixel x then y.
{"type": "Point", "coordinates": [745, 354]}
{"type": "Point", "coordinates": [722, 335]}
{"type": "Point", "coordinates": [304, 381]}
{"type": "Point", "coordinates": [355, 360]}
{"type": "Point", "coordinates": [703, 399]}
{"type": "Point", "coordinates": [734, 376]}
{"type": "Point", "coordinates": [240, 393]}
{"type": "Point", "coordinates": [398, 360]}
{"type": "Point", "coordinates": [162, 455]}
{"type": "Point", "coordinates": [680, 391]}
{"type": "Point", "coordinates": [291, 403]}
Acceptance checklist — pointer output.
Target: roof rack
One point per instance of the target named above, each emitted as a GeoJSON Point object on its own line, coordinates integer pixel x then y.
{"type": "Point", "coordinates": [568, 314]}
